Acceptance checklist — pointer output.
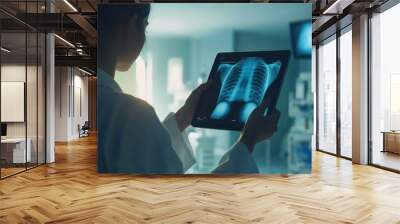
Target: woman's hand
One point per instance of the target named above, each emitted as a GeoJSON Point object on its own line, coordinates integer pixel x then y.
{"type": "Point", "coordinates": [259, 126]}
{"type": "Point", "coordinates": [184, 115]}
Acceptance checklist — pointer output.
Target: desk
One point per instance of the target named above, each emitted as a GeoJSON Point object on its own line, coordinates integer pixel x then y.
{"type": "Point", "coordinates": [391, 141]}
{"type": "Point", "coordinates": [13, 150]}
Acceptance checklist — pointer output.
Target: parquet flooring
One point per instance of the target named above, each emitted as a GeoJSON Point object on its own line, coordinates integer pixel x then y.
{"type": "Point", "coordinates": [10, 171]}
{"type": "Point", "coordinates": [70, 191]}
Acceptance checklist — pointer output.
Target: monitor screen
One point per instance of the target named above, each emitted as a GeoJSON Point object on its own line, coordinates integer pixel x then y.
{"type": "Point", "coordinates": [302, 38]}
{"type": "Point", "coordinates": [3, 129]}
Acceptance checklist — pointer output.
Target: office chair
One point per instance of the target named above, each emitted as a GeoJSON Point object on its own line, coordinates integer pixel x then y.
{"type": "Point", "coordinates": [84, 130]}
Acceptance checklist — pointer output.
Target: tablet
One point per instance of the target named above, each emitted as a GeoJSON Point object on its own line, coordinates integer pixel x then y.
{"type": "Point", "coordinates": [241, 80]}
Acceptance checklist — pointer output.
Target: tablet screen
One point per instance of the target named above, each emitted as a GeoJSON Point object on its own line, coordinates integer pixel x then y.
{"type": "Point", "coordinates": [240, 83]}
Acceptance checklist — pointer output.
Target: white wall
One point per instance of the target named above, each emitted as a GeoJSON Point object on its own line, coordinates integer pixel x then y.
{"type": "Point", "coordinates": [80, 83]}
{"type": "Point", "coordinates": [12, 100]}
{"type": "Point", "coordinates": [61, 103]}
{"type": "Point", "coordinates": [16, 73]}
{"type": "Point", "coordinates": [69, 82]}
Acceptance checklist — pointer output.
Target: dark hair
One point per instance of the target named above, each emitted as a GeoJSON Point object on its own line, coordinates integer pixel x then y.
{"type": "Point", "coordinates": [113, 15]}
{"type": "Point", "coordinates": [110, 17]}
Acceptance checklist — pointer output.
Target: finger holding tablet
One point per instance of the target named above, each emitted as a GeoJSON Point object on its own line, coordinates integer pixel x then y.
{"type": "Point", "coordinates": [185, 114]}
{"type": "Point", "coordinates": [261, 125]}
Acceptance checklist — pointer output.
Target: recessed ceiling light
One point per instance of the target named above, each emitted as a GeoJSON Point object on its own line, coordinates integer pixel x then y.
{"type": "Point", "coordinates": [337, 7]}
{"type": "Point", "coordinates": [5, 50]}
{"type": "Point", "coordinates": [84, 71]}
{"type": "Point", "coordinates": [64, 40]}
{"type": "Point", "coordinates": [70, 5]}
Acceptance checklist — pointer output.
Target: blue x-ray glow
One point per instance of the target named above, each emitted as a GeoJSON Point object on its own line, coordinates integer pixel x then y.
{"type": "Point", "coordinates": [244, 82]}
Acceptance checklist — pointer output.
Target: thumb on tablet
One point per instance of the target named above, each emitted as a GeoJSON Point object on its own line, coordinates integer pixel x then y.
{"type": "Point", "coordinates": [266, 102]}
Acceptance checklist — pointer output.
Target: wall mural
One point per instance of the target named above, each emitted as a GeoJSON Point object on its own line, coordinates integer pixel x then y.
{"type": "Point", "coordinates": [182, 94]}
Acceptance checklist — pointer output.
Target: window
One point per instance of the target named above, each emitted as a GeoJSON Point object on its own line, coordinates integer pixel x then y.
{"type": "Point", "coordinates": [327, 96]}
{"type": "Point", "coordinates": [385, 89]}
{"type": "Point", "coordinates": [346, 93]}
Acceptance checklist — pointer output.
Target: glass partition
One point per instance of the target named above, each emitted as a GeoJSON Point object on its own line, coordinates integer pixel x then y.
{"type": "Point", "coordinates": [327, 96]}
{"type": "Point", "coordinates": [22, 77]}
{"type": "Point", "coordinates": [14, 153]}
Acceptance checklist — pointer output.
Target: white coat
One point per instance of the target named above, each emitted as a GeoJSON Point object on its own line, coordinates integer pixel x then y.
{"type": "Point", "coordinates": [131, 138]}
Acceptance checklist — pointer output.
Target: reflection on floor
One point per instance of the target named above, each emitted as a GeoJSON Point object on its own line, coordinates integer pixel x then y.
{"type": "Point", "coordinates": [8, 170]}
{"type": "Point", "coordinates": [387, 159]}
{"type": "Point", "coordinates": [71, 191]}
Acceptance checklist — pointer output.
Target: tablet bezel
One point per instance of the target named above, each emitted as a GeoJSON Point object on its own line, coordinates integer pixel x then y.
{"type": "Point", "coordinates": [282, 55]}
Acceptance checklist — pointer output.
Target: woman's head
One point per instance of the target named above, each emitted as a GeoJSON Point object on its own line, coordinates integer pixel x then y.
{"type": "Point", "coordinates": [122, 33]}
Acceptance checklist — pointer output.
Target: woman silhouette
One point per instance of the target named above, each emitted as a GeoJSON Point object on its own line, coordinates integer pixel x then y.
{"type": "Point", "coordinates": [131, 138]}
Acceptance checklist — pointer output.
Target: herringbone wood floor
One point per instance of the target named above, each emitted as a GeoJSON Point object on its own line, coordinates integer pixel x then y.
{"type": "Point", "coordinates": [70, 191]}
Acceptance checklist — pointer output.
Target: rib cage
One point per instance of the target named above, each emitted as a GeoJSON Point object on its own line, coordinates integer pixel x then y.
{"type": "Point", "coordinates": [247, 80]}
{"type": "Point", "coordinates": [245, 83]}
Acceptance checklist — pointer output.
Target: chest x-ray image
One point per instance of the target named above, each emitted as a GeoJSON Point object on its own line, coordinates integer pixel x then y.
{"type": "Point", "coordinates": [243, 81]}
{"type": "Point", "coordinates": [211, 98]}
{"type": "Point", "coordinates": [243, 87]}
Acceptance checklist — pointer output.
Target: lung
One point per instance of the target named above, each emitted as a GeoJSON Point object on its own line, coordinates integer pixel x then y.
{"type": "Point", "coordinates": [243, 85]}
{"type": "Point", "coordinates": [241, 82]}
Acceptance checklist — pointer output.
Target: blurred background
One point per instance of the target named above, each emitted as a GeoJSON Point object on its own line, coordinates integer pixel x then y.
{"type": "Point", "coordinates": [182, 42]}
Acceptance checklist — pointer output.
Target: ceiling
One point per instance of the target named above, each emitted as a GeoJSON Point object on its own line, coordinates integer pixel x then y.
{"type": "Point", "coordinates": [78, 23]}
{"type": "Point", "coordinates": [198, 18]}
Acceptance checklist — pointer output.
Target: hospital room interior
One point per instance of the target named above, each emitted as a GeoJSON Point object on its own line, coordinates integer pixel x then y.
{"type": "Point", "coordinates": [175, 61]}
